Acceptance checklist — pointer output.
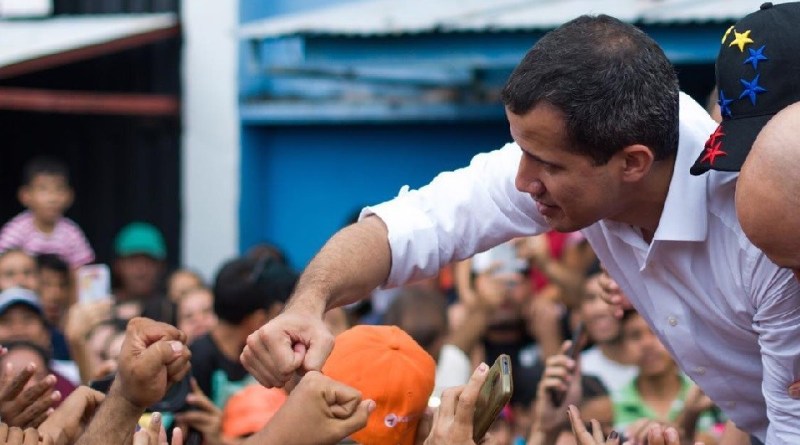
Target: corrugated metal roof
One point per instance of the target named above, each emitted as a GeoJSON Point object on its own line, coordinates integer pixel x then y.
{"type": "Point", "coordinates": [388, 17]}
{"type": "Point", "coordinates": [30, 39]}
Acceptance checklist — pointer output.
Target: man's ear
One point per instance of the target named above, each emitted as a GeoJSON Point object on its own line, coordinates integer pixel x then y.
{"type": "Point", "coordinates": [637, 161]}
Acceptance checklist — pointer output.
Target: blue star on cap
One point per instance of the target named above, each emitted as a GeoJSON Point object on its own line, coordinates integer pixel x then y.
{"type": "Point", "coordinates": [755, 56]}
{"type": "Point", "coordinates": [751, 89]}
{"type": "Point", "coordinates": [724, 103]}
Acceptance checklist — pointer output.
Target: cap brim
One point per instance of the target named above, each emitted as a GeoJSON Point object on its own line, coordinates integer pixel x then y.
{"type": "Point", "coordinates": [737, 138]}
{"type": "Point", "coordinates": [21, 302]}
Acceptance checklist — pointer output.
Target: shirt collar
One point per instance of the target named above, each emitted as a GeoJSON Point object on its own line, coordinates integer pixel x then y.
{"type": "Point", "coordinates": [685, 214]}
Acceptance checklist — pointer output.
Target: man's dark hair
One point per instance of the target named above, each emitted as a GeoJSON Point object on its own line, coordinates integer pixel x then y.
{"type": "Point", "coordinates": [613, 83]}
{"type": "Point", "coordinates": [245, 285]}
{"type": "Point", "coordinates": [51, 261]}
{"type": "Point", "coordinates": [44, 165]}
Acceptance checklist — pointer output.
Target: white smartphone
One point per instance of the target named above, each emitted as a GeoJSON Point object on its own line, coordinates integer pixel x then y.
{"type": "Point", "coordinates": [94, 283]}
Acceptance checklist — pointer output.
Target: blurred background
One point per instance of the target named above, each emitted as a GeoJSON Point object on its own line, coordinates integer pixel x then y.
{"type": "Point", "coordinates": [227, 124]}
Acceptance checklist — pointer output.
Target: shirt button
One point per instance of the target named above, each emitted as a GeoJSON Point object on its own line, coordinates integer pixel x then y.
{"type": "Point", "coordinates": [672, 320]}
{"type": "Point", "coordinates": [700, 370]}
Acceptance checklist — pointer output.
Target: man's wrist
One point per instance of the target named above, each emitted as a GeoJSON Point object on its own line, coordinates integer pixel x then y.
{"type": "Point", "coordinates": [121, 403]}
{"type": "Point", "coordinates": [307, 303]}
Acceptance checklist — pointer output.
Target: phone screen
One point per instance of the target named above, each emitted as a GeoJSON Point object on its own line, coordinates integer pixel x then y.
{"type": "Point", "coordinates": [94, 283]}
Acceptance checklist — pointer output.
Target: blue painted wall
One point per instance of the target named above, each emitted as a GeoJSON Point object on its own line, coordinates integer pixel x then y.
{"type": "Point", "coordinates": [300, 184]}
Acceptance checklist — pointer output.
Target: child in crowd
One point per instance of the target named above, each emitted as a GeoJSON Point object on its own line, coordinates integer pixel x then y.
{"type": "Point", "coordinates": [43, 228]}
{"type": "Point", "coordinates": [55, 288]}
{"type": "Point", "coordinates": [660, 391]}
{"type": "Point", "coordinates": [182, 281]}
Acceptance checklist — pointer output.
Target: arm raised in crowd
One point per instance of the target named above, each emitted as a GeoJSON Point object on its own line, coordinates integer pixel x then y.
{"type": "Point", "coordinates": [453, 421]}
{"type": "Point", "coordinates": [319, 411]}
{"type": "Point", "coordinates": [23, 406]}
{"type": "Point", "coordinates": [560, 374]}
{"type": "Point", "coordinates": [413, 236]}
{"type": "Point", "coordinates": [69, 420]}
{"type": "Point", "coordinates": [153, 356]}
{"type": "Point", "coordinates": [486, 297]}
{"type": "Point", "coordinates": [352, 263]}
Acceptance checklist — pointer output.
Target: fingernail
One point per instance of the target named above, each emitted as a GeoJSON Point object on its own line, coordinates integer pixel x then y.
{"type": "Point", "coordinates": [55, 396]}
{"type": "Point", "coordinates": [176, 346]}
{"type": "Point", "coordinates": [613, 435]}
{"type": "Point", "coordinates": [371, 406]}
{"type": "Point", "coordinates": [156, 419]}
{"type": "Point", "coordinates": [672, 435]}
{"type": "Point", "coordinates": [31, 367]}
{"type": "Point", "coordinates": [483, 367]}
{"type": "Point", "coordinates": [51, 379]}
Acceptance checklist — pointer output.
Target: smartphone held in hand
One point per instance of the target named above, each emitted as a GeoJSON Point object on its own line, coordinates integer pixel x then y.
{"type": "Point", "coordinates": [94, 283]}
{"type": "Point", "coordinates": [494, 395]}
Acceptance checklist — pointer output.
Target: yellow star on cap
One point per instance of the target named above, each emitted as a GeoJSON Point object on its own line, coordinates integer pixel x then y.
{"type": "Point", "coordinates": [741, 39]}
{"type": "Point", "coordinates": [727, 33]}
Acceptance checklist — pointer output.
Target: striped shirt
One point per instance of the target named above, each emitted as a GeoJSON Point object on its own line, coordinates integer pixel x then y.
{"type": "Point", "coordinates": [66, 240]}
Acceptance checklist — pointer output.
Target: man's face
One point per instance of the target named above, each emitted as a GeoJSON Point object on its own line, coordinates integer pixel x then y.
{"type": "Point", "coordinates": [597, 315]}
{"type": "Point", "coordinates": [517, 293]}
{"type": "Point", "coordinates": [20, 322]}
{"type": "Point", "coordinates": [640, 342]}
{"type": "Point", "coordinates": [138, 275]}
{"type": "Point", "coordinates": [570, 191]}
{"type": "Point", "coordinates": [47, 196]}
{"type": "Point", "coordinates": [53, 293]}
{"type": "Point", "coordinates": [18, 269]}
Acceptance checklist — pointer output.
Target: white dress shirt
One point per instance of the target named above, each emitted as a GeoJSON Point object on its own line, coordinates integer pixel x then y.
{"type": "Point", "coordinates": [729, 316]}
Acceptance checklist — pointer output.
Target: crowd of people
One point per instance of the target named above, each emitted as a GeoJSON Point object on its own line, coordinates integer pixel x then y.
{"type": "Point", "coordinates": [657, 324]}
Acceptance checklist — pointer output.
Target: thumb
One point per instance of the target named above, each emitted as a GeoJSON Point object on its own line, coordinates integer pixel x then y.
{"type": "Point", "coordinates": [318, 350]}
{"type": "Point", "coordinates": [162, 352]}
{"type": "Point", "coordinates": [359, 418]}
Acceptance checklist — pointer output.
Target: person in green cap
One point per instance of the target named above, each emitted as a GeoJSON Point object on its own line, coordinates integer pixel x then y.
{"type": "Point", "coordinates": [139, 268]}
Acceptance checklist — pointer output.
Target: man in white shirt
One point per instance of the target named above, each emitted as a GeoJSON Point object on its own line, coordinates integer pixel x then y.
{"type": "Point", "coordinates": [603, 143]}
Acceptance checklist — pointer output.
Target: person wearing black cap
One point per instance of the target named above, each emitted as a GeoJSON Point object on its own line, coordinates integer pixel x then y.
{"type": "Point", "coordinates": [757, 70]}
{"type": "Point", "coordinates": [604, 142]}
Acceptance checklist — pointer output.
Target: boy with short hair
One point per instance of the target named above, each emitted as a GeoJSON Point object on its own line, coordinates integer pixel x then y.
{"type": "Point", "coordinates": [247, 294]}
{"type": "Point", "coordinates": [43, 228]}
{"type": "Point", "coordinates": [55, 288]}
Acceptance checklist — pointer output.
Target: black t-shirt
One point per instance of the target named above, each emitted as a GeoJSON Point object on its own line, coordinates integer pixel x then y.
{"type": "Point", "coordinates": [218, 376]}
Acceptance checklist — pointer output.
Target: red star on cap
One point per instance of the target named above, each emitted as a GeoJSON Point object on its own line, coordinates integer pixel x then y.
{"type": "Point", "coordinates": [717, 134]}
{"type": "Point", "coordinates": [714, 147]}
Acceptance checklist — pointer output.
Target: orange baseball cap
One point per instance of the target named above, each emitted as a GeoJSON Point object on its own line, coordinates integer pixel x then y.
{"type": "Point", "coordinates": [250, 409]}
{"type": "Point", "coordinates": [389, 367]}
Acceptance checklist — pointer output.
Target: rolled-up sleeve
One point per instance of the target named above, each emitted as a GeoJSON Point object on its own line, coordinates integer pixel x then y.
{"type": "Point", "coordinates": [777, 321]}
{"type": "Point", "coordinates": [458, 214]}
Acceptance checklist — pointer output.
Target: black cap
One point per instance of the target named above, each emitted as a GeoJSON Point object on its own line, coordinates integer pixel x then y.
{"type": "Point", "coordinates": [758, 74]}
